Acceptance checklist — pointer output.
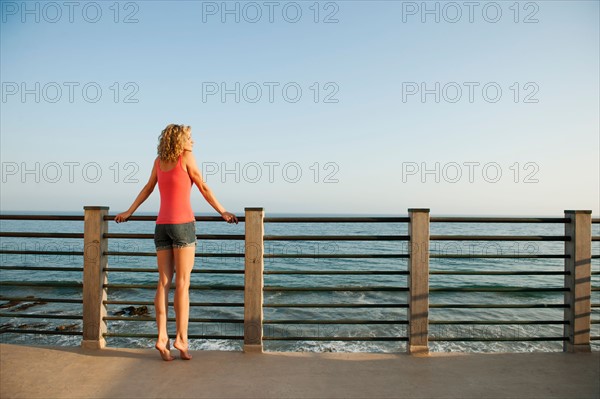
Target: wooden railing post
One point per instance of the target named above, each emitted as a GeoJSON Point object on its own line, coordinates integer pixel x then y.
{"type": "Point", "coordinates": [253, 280]}
{"type": "Point", "coordinates": [578, 268]}
{"type": "Point", "coordinates": [418, 281]}
{"type": "Point", "coordinates": [94, 276]}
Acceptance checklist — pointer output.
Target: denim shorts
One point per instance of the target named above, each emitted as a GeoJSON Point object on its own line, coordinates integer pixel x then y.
{"type": "Point", "coordinates": [167, 236]}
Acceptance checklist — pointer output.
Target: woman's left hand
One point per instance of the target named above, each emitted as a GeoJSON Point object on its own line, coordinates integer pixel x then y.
{"type": "Point", "coordinates": [229, 217]}
{"type": "Point", "coordinates": [122, 217]}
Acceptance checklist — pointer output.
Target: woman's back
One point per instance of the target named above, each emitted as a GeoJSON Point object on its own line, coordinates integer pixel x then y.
{"type": "Point", "coordinates": [175, 187]}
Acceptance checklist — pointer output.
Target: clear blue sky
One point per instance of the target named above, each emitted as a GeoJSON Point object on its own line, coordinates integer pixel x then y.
{"type": "Point", "coordinates": [364, 146]}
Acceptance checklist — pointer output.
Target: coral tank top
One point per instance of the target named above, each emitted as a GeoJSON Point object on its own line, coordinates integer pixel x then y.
{"type": "Point", "coordinates": [175, 188]}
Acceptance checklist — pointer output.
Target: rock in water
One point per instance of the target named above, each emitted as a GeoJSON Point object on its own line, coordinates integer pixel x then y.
{"type": "Point", "coordinates": [133, 311]}
{"type": "Point", "coordinates": [9, 304]}
{"type": "Point", "coordinates": [69, 327]}
{"type": "Point", "coordinates": [141, 311]}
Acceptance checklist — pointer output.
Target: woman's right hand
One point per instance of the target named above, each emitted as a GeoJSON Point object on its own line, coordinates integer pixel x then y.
{"type": "Point", "coordinates": [122, 217]}
{"type": "Point", "coordinates": [229, 217]}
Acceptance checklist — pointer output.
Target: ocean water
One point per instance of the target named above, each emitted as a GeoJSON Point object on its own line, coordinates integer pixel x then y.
{"type": "Point", "coordinates": [438, 332]}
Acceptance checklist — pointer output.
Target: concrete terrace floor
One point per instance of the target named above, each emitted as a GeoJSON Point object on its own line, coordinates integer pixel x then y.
{"type": "Point", "coordinates": [67, 372]}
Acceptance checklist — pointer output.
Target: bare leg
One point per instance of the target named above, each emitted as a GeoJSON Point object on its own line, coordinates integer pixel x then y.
{"type": "Point", "coordinates": [161, 301]}
{"type": "Point", "coordinates": [184, 262]}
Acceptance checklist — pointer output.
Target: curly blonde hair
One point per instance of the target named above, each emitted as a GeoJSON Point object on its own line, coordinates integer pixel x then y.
{"type": "Point", "coordinates": [170, 142]}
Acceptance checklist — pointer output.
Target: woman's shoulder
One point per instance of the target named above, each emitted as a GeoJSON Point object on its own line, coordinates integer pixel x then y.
{"type": "Point", "coordinates": [188, 161]}
{"type": "Point", "coordinates": [187, 156]}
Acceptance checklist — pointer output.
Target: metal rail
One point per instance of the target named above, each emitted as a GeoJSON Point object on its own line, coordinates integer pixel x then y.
{"type": "Point", "coordinates": [190, 336]}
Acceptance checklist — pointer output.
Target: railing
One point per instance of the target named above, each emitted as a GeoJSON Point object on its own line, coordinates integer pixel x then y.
{"type": "Point", "coordinates": [101, 300]}
{"type": "Point", "coordinates": [501, 290]}
{"type": "Point", "coordinates": [71, 306]}
{"type": "Point", "coordinates": [411, 297]}
{"type": "Point", "coordinates": [395, 290]}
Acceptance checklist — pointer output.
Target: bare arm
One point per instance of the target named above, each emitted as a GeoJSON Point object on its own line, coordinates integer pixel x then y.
{"type": "Point", "coordinates": [196, 176]}
{"type": "Point", "coordinates": [142, 196]}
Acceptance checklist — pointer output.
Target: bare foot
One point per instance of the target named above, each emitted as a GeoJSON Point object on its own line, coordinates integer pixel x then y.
{"type": "Point", "coordinates": [165, 351]}
{"type": "Point", "coordinates": [183, 350]}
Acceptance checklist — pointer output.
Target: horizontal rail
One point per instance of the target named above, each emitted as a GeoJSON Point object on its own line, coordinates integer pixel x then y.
{"type": "Point", "coordinates": [41, 316]}
{"type": "Point", "coordinates": [37, 299]}
{"type": "Point", "coordinates": [339, 321]}
{"type": "Point", "coordinates": [498, 289]}
{"type": "Point", "coordinates": [310, 219]}
{"type": "Point", "coordinates": [172, 319]}
{"type": "Point", "coordinates": [310, 256]}
{"type": "Point", "coordinates": [192, 287]}
{"type": "Point", "coordinates": [458, 219]}
{"type": "Point", "coordinates": [496, 238]}
{"type": "Point", "coordinates": [192, 304]}
{"type": "Point", "coordinates": [495, 306]}
{"type": "Point", "coordinates": [394, 219]}
{"type": "Point", "coordinates": [197, 254]}
{"type": "Point", "coordinates": [335, 305]}
{"type": "Point", "coordinates": [46, 268]}
{"type": "Point", "coordinates": [55, 284]}
{"type": "Point", "coordinates": [307, 289]}
{"type": "Point", "coordinates": [154, 336]}
{"type": "Point", "coordinates": [15, 252]}
{"type": "Point", "coordinates": [336, 272]}
{"type": "Point", "coordinates": [317, 338]}
{"type": "Point", "coordinates": [498, 273]}
{"type": "Point", "coordinates": [39, 235]}
{"type": "Point", "coordinates": [499, 256]}
{"type": "Point", "coordinates": [494, 339]}
{"type": "Point", "coordinates": [41, 217]}
{"type": "Point", "coordinates": [335, 256]}
{"type": "Point", "coordinates": [152, 218]}
{"type": "Point", "coordinates": [155, 270]}
{"type": "Point", "coordinates": [41, 332]}
{"type": "Point", "coordinates": [496, 322]}
{"type": "Point", "coordinates": [337, 238]}
{"type": "Point", "coordinates": [337, 219]}
{"type": "Point", "coordinates": [151, 236]}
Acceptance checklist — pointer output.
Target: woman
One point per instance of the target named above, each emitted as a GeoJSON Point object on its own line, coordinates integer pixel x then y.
{"type": "Point", "coordinates": [175, 170]}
